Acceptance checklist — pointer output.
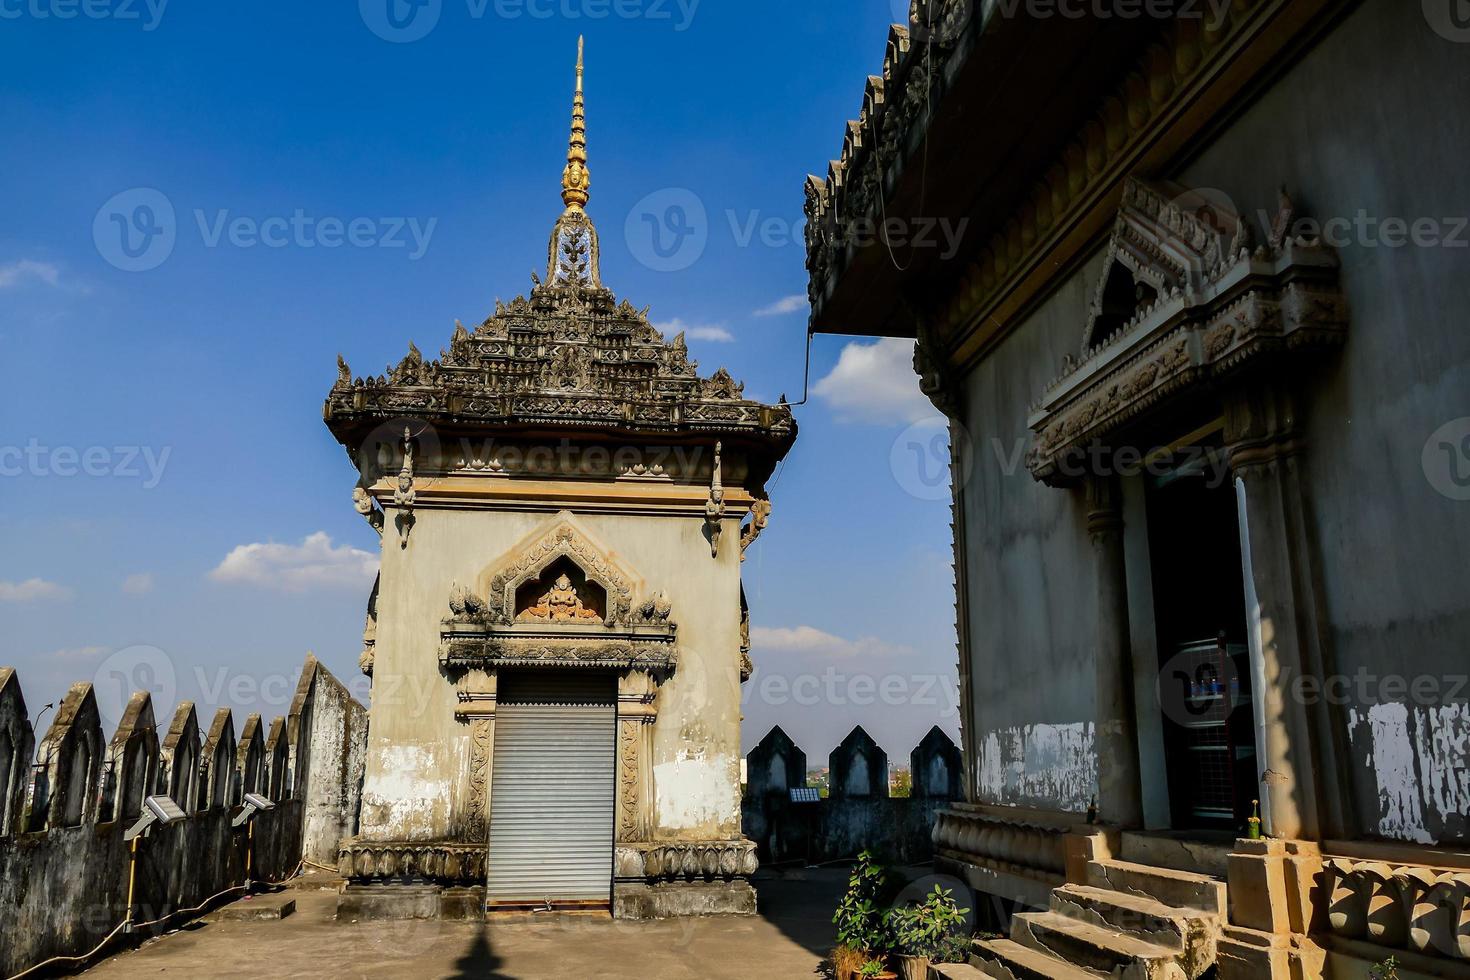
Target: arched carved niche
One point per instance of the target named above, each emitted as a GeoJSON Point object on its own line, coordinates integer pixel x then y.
{"type": "Point", "coordinates": [1165, 241]}
{"type": "Point", "coordinates": [563, 546]}
{"type": "Point", "coordinates": [562, 593]}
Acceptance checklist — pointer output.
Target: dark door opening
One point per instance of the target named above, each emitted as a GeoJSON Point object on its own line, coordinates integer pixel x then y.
{"type": "Point", "coordinates": [1204, 670]}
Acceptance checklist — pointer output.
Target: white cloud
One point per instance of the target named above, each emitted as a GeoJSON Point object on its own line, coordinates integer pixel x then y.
{"type": "Point", "coordinates": [783, 306]}
{"type": "Point", "coordinates": [140, 583]}
{"type": "Point", "coordinates": [815, 642]}
{"type": "Point", "coordinates": [18, 272]}
{"type": "Point", "coordinates": [875, 383]}
{"type": "Point", "coordinates": [76, 653]}
{"type": "Point", "coordinates": [31, 590]}
{"type": "Point", "coordinates": [314, 564]}
{"type": "Point", "coordinates": [715, 332]}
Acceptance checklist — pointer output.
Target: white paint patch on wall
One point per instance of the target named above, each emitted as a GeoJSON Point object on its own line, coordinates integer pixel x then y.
{"type": "Point", "coordinates": [695, 791]}
{"type": "Point", "coordinates": [403, 788]}
{"type": "Point", "coordinates": [1042, 765]}
{"type": "Point", "coordinates": [1399, 814]}
{"type": "Point", "coordinates": [1419, 762]}
{"type": "Point", "coordinates": [1443, 745]}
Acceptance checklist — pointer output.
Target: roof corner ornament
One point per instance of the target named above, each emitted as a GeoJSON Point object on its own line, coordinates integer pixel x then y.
{"type": "Point", "coordinates": [714, 508]}
{"type": "Point", "coordinates": [362, 502]}
{"type": "Point", "coordinates": [404, 496]}
{"type": "Point", "coordinates": [760, 514]}
{"type": "Point", "coordinates": [936, 380]}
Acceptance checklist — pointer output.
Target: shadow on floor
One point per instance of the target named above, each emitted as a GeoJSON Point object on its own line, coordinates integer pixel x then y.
{"type": "Point", "coordinates": [480, 961]}
{"type": "Point", "coordinates": [800, 903]}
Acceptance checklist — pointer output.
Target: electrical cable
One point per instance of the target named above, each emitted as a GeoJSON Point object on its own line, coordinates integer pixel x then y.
{"type": "Point", "coordinates": [125, 923]}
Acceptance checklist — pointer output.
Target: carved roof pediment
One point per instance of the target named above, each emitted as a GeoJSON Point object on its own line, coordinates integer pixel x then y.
{"type": "Point", "coordinates": [1205, 304]}
{"type": "Point", "coordinates": [1171, 240]}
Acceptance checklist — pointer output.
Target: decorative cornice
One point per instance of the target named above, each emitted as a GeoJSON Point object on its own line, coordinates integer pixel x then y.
{"type": "Point", "coordinates": [601, 366]}
{"type": "Point", "coordinates": [895, 110]}
{"type": "Point", "coordinates": [460, 650]}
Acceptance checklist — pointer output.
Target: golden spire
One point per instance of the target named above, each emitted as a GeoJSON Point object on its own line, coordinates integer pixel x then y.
{"type": "Point", "coordinates": [575, 180]}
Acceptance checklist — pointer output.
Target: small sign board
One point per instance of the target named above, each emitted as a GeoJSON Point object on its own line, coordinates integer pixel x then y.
{"type": "Point", "coordinates": [805, 794]}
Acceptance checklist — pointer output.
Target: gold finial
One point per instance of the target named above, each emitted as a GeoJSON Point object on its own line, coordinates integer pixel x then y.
{"type": "Point", "coordinates": [576, 182]}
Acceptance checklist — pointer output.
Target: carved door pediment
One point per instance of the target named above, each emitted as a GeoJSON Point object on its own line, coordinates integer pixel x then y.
{"type": "Point", "coordinates": [1203, 305]}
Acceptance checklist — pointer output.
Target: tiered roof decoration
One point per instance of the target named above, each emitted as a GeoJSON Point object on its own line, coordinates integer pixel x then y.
{"type": "Point", "coordinates": [571, 355]}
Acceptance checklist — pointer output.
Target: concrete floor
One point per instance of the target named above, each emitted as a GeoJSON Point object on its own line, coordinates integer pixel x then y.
{"type": "Point", "coordinates": [788, 939]}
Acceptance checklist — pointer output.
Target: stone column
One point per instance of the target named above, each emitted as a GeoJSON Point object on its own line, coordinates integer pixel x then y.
{"type": "Point", "coordinates": [1296, 768]}
{"type": "Point", "coordinates": [636, 715]}
{"type": "Point", "coordinates": [477, 699]}
{"type": "Point", "coordinates": [1119, 785]}
{"type": "Point", "coordinates": [939, 383]}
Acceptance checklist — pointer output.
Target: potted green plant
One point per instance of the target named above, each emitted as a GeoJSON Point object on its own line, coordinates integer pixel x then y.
{"type": "Point", "coordinates": [862, 929]}
{"type": "Point", "coordinates": [927, 932]}
{"type": "Point", "coordinates": [876, 970]}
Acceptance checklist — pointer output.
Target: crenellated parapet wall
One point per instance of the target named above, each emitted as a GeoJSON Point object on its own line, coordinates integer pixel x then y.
{"type": "Point", "coordinates": [859, 813]}
{"type": "Point", "coordinates": [67, 799]}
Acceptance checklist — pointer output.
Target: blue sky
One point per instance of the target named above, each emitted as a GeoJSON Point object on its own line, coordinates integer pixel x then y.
{"type": "Point", "coordinates": [156, 422]}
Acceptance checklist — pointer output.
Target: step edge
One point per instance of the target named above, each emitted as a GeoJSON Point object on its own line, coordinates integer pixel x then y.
{"type": "Point", "coordinates": [1079, 929]}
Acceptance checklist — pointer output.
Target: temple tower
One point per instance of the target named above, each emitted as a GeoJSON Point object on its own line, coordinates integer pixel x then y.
{"type": "Point", "coordinates": [557, 639]}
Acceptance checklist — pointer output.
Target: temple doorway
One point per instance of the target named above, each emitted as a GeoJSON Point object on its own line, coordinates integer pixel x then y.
{"type": "Point", "coordinates": [552, 791]}
{"type": "Point", "coordinates": [1204, 681]}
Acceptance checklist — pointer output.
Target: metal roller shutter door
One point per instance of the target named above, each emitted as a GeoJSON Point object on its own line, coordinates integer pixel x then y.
{"type": "Point", "coordinates": [552, 789]}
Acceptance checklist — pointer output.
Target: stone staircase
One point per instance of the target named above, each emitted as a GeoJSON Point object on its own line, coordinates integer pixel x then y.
{"type": "Point", "coordinates": [1130, 921]}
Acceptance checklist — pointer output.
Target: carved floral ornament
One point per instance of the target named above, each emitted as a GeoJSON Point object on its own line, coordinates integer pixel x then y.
{"type": "Point", "coordinates": [1184, 301]}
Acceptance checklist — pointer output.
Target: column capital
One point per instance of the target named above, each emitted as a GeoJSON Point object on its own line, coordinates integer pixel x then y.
{"type": "Point", "coordinates": [1104, 505]}
{"type": "Point", "coordinates": [1262, 425]}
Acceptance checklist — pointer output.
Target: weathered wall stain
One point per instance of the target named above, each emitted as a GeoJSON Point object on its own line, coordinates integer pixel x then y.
{"type": "Point", "coordinates": [1418, 759]}
{"type": "Point", "coordinates": [1039, 765]}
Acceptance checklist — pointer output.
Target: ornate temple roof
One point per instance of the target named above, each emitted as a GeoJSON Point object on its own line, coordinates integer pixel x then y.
{"type": "Point", "coordinates": [570, 356]}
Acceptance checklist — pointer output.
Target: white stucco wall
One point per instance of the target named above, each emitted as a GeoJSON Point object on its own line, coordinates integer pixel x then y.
{"type": "Point", "coordinates": [417, 778]}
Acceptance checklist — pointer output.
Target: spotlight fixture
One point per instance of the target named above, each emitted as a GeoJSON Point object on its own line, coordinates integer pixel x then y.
{"type": "Point", "coordinates": [161, 810]}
